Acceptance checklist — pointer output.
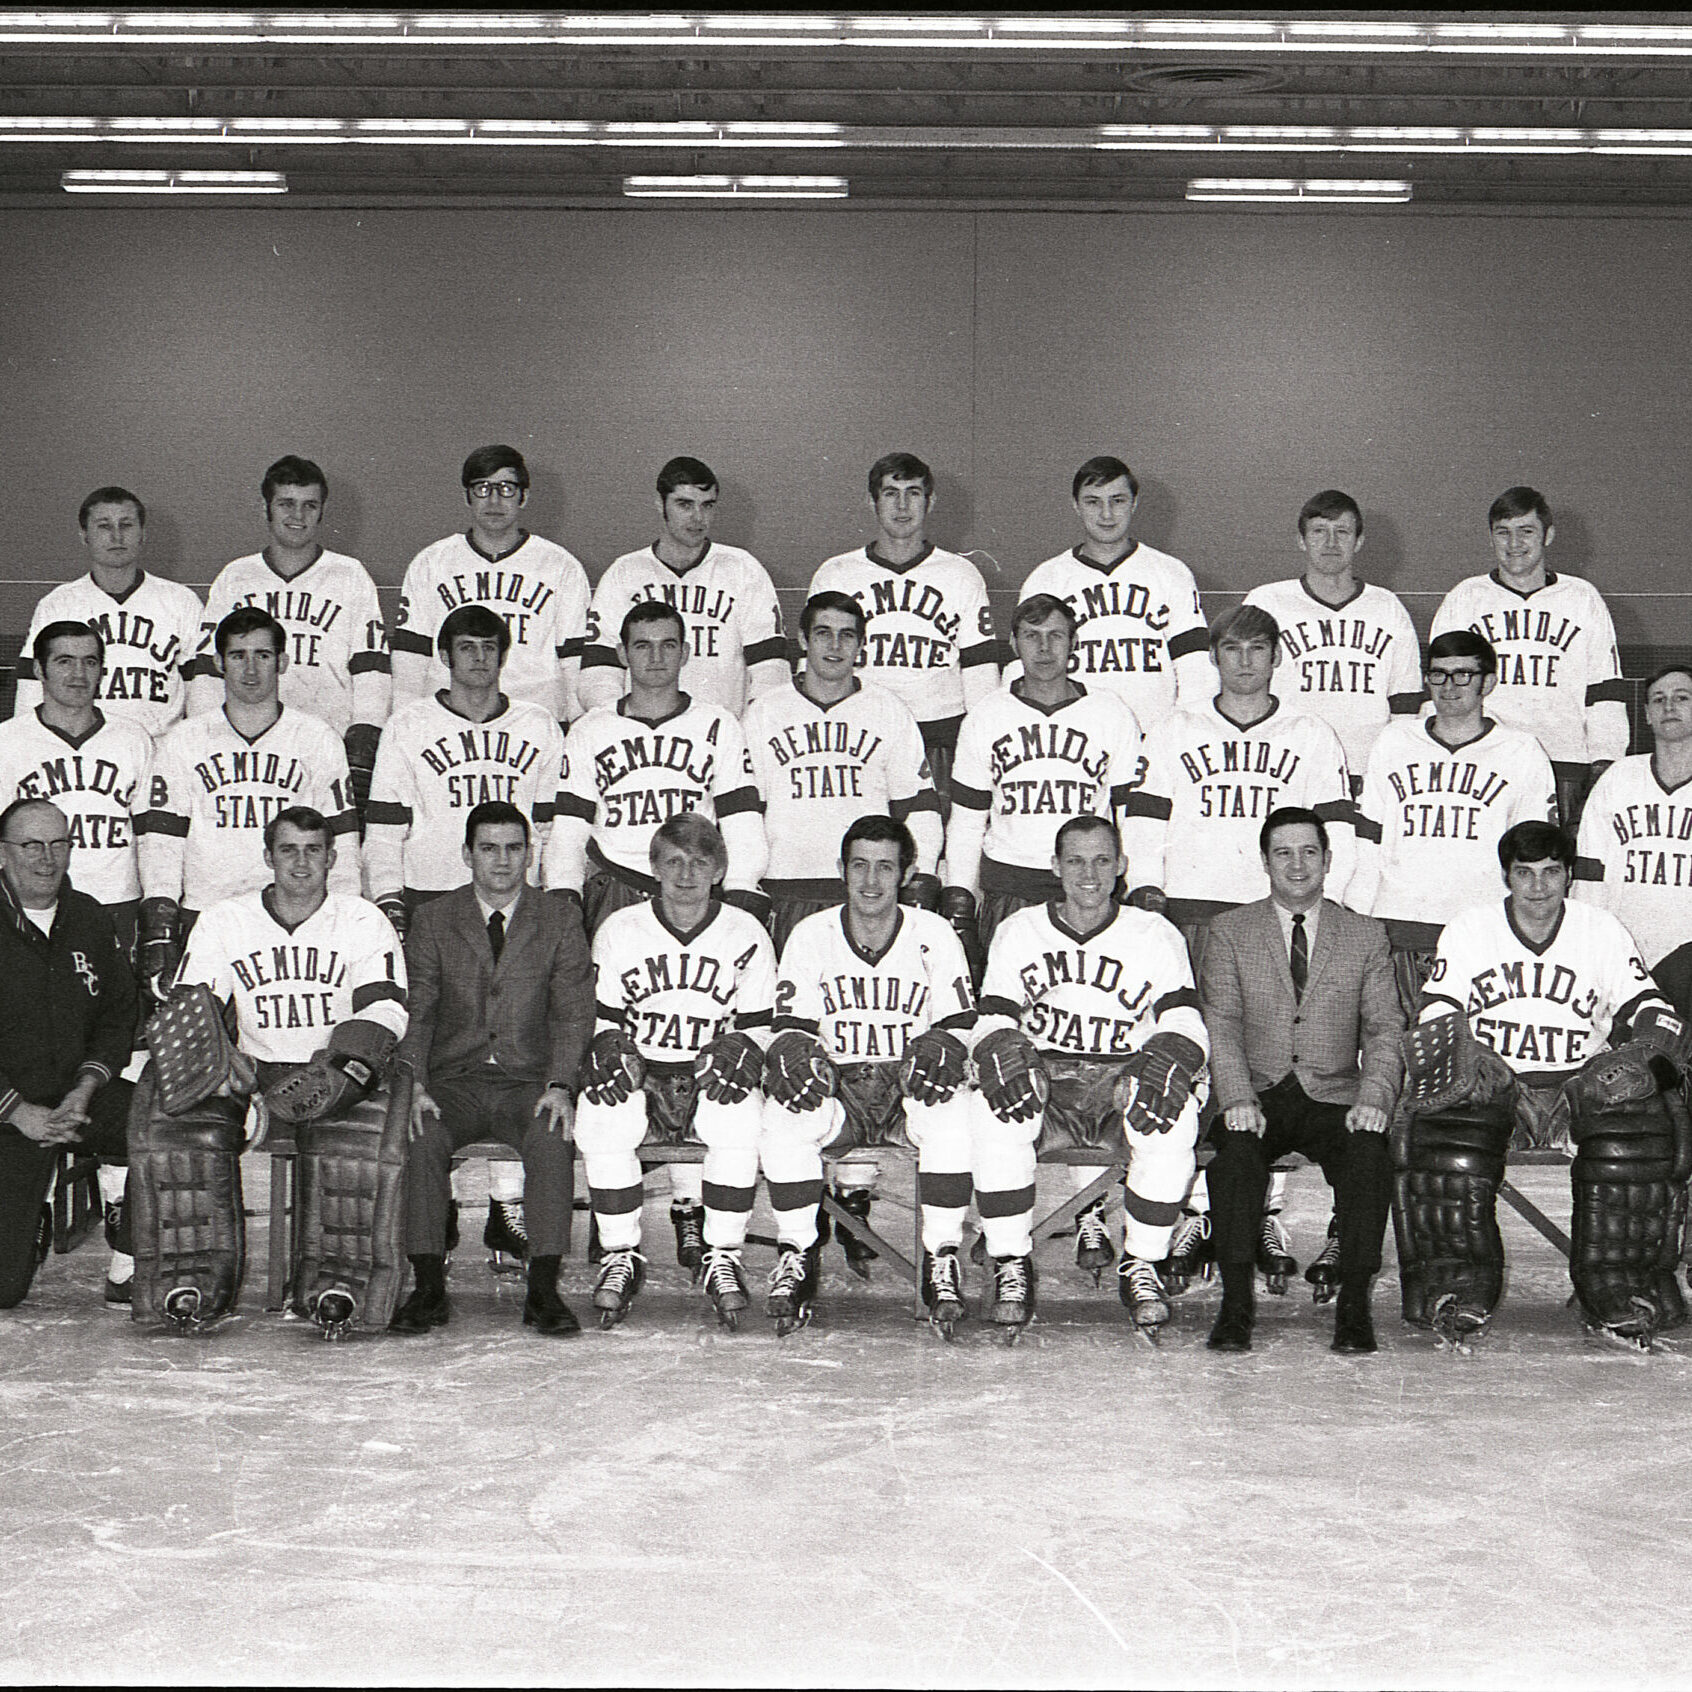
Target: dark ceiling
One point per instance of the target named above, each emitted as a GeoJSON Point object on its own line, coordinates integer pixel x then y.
{"type": "Point", "coordinates": [1000, 122]}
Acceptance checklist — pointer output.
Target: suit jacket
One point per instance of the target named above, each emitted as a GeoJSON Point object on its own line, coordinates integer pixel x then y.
{"type": "Point", "coordinates": [1341, 1040]}
{"type": "Point", "coordinates": [532, 1012]}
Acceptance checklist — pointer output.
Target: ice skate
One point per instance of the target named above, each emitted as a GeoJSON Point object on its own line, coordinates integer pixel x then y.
{"type": "Point", "coordinates": [942, 1289]}
{"type": "Point", "coordinates": [1094, 1252]}
{"type": "Point", "coordinates": [622, 1275]}
{"type": "Point", "coordinates": [688, 1220]}
{"type": "Point", "coordinates": [1191, 1253]}
{"type": "Point", "coordinates": [1456, 1326]}
{"type": "Point", "coordinates": [1142, 1292]}
{"type": "Point", "coordinates": [1323, 1273]}
{"type": "Point", "coordinates": [725, 1285]}
{"type": "Point", "coordinates": [1635, 1332]}
{"type": "Point", "coordinates": [859, 1256]}
{"type": "Point", "coordinates": [1274, 1255]}
{"type": "Point", "coordinates": [1013, 1293]}
{"type": "Point", "coordinates": [334, 1311]}
{"type": "Point", "coordinates": [505, 1237]}
{"type": "Point", "coordinates": [792, 1290]}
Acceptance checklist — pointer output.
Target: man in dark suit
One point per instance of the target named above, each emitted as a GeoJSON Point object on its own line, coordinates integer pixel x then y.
{"type": "Point", "coordinates": [1304, 1018]}
{"type": "Point", "coordinates": [501, 1013]}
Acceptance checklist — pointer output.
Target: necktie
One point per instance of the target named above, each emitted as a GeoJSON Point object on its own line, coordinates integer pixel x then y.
{"type": "Point", "coordinates": [496, 933]}
{"type": "Point", "coordinates": [1300, 958]}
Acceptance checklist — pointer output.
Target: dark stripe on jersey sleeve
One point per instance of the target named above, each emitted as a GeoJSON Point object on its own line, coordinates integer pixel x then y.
{"type": "Point", "coordinates": [1153, 805]}
{"type": "Point", "coordinates": [26, 669]}
{"type": "Point", "coordinates": [1615, 688]}
{"type": "Point", "coordinates": [927, 800]}
{"type": "Point", "coordinates": [764, 651]}
{"type": "Point", "coordinates": [161, 822]}
{"type": "Point", "coordinates": [609, 1013]}
{"type": "Point", "coordinates": [408, 640]}
{"type": "Point", "coordinates": [362, 663]}
{"type": "Point", "coordinates": [345, 823]}
{"type": "Point", "coordinates": [386, 811]}
{"type": "Point", "coordinates": [741, 799]}
{"type": "Point", "coordinates": [203, 664]}
{"type": "Point", "coordinates": [542, 812]}
{"type": "Point", "coordinates": [368, 994]}
{"type": "Point", "coordinates": [599, 658]}
{"type": "Point", "coordinates": [1119, 796]}
{"type": "Point", "coordinates": [1589, 869]}
{"type": "Point", "coordinates": [753, 1019]}
{"type": "Point", "coordinates": [1336, 810]}
{"type": "Point", "coordinates": [572, 648]}
{"type": "Point", "coordinates": [1367, 830]}
{"type": "Point", "coordinates": [971, 798]}
{"type": "Point", "coordinates": [1406, 704]}
{"type": "Point", "coordinates": [993, 1005]}
{"type": "Point", "coordinates": [796, 1024]}
{"type": "Point", "coordinates": [1193, 640]}
{"type": "Point", "coordinates": [573, 805]}
{"type": "Point", "coordinates": [1183, 998]}
{"type": "Point", "coordinates": [958, 1019]}
{"type": "Point", "coordinates": [986, 652]}
{"type": "Point", "coordinates": [1624, 1017]}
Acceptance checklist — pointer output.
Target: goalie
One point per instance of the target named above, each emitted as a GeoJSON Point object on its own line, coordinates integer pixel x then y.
{"type": "Point", "coordinates": [316, 983]}
{"type": "Point", "coordinates": [1514, 1049]}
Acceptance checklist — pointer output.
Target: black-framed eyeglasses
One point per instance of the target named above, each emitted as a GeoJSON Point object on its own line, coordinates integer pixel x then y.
{"type": "Point", "coordinates": [1453, 678]}
{"type": "Point", "coordinates": [487, 490]}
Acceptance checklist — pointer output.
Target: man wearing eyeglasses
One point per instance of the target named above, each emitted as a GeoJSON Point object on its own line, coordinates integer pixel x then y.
{"type": "Point", "coordinates": [67, 1025]}
{"type": "Point", "coordinates": [539, 588]}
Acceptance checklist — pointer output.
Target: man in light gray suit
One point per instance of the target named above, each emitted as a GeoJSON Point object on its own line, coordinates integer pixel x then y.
{"type": "Point", "coordinates": [502, 1010]}
{"type": "Point", "coordinates": [1304, 1018]}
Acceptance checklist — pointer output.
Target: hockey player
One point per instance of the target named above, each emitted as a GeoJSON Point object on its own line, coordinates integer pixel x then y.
{"type": "Point", "coordinates": [736, 648]}
{"type": "Point", "coordinates": [826, 749]}
{"type": "Point", "coordinates": [930, 637]}
{"type": "Point", "coordinates": [150, 626]}
{"type": "Point", "coordinates": [338, 665]}
{"type": "Point", "coordinates": [874, 1014]}
{"type": "Point", "coordinates": [1090, 1037]}
{"type": "Point", "coordinates": [1510, 1050]}
{"type": "Point", "coordinates": [1634, 859]}
{"type": "Point", "coordinates": [539, 588]}
{"type": "Point", "coordinates": [1559, 671]}
{"type": "Point", "coordinates": [1350, 646]}
{"type": "Point", "coordinates": [1141, 629]}
{"type": "Point", "coordinates": [685, 989]}
{"type": "Point", "coordinates": [317, 980]}
{"type": "Point", "coordinates": [653, 755]}
{"type": "Point", "coordinates": [217, 782]}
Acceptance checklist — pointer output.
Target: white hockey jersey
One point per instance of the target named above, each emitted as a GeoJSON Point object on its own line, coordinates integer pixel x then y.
{"type": "Point", "coordinates": [151, 634]}
{"type": "Point", "coordinates": [1100, 995]}
{"type": "Point", "coordinates": [821, 767]}
{"type": "Point", "coordinates": [1022, 770]}
{"type": "Point", "coordinates": [674, 993]}
{"type": "Point", "coordinates": [736, 647]}
{"type": "Point", "coordinates": [1142, 632]}
{"type": "Point", "coordinates": [539, 588]}
{"type": "Point", "coordinates": [867, 1009]}
{"type": "Point", "coordinates": [1559, 670]}
{"type": "Point", "coordinates": [1192, 826]}
{"type": "Point", "coordinates": [1636, 855]}
{"type": "Point", "coordinates": [292, 986]}
{"type": "Point", "coordinates": [623, 777]}
{"type": "Point", "coordinates": [433, 768]}
{"type": "Point", "coordinates": [930, 639]}
{"type": "Point", "coordinates": [99, 781]}
{"type": "Point", "coordinates": [338, 663]}
{"type": "Point", "coordinates": [1544, 1009]}
{"type": "Point", "coordinates": [212, 791]}
{"type": "Point", "coordinates": [1430, 818]}
{"type": "Point", "coordinates": [1354, 665]}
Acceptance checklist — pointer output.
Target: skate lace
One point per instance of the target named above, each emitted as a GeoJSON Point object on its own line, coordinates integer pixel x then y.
{"type": "Point", "coordinates": [789, 1273]}
{"type": "Point", "coordinates": [1143, 1285]}
{"type": "Point", "coordinates": [721, 1270]}
{"type": "Point", "coordinates": [1013, 1280]}
{"type": "Point", "coordinates": [1190, 1233]}
{"type": "Point", "coordinates": [1091, 1232]}
{"type": "Point", "coordinates": [1274, 1238]}
{"type": "Point", "coordinates": [946, 1276]}
{"type": "Point", "coordinates": [511, 1216]}
{"type": "Point", "coordinates": [690, 1228]}
{"type": "Point", "coordinates": [618, 1273]}
{"type": "Point", "coordinates": [1330, 1252]}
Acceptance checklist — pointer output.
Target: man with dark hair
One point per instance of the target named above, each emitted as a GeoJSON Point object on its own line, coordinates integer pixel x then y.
{"type": "Point", "coordinates": [1304, 1019]}
{"type": "Point", "coordinates": [539, 588]}
{"type": "Point", "coordinates": [1559, 669]}
{"type": "Point", "coordinates": [338, 664]}
{"type": "Point", "coordinates": [1525, 997]}
{"type": "Point", "coordinates": [150, 626]}
{"type": "Point", "coordinates": [501, 1013]}
{"type": "Point", "coordinates": [728, 604]}
{"type": "Point", "coordinates": [1352, 653]}
{"type": "Point", "coordinates": [930, 636]}
{"type": "Point", "coordinates": [67, 1025]}
{"type": "Point", "coordinates": [1141, 627]}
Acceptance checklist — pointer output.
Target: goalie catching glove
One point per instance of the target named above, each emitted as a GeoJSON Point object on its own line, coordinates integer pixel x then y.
{"type": "Point", "coordinates": [798, 1074]}
{"type": "Point", "coordinates": [1010, 1075]}
{"type": "Point", "coordinates": [193, 1056]}
{"type": "Point", "coordinates": [615, 1068]}
{"type": "Point", "coordinates": [936, 1064]}
{"type": "Point", "coordinates": [729, 1068]}
{"type": "Point", "coordinates": [1445, 1065]}
{"type": "Point", "coordinates": [351, 1067]}
{"type": "Point", "coordinates": [1612, 1081]}
{"type": "Point", "coordinates": [1666, 1041]}
{"type": "Point", "coordinates": [1157, 1081]}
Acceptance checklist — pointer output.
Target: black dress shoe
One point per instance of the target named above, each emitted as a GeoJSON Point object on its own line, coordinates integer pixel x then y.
{"type": "Point", "coordinates": [547, 1313]}
{"type": "Point", "coordinates": [1354, 1328]}
{"type": "Point", "coordinates": [1233, 1328]}
{"type": "Point", "coordinates": [426, 1308]}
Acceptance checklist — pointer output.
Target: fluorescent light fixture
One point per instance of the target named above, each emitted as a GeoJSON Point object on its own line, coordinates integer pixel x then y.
{"type": "Point", "coordinates": [173, 182]}
{"type": "Point", "coordinates": [735, 187]}
{"type": "Point", "coordinates": [1307, 190]}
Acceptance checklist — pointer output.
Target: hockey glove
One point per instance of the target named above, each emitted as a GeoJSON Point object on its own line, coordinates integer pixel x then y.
{"type": "Point", "coordinates": [936, 1064]}
{"type": "Point", "coordinates": [1010, 1075]}
{"type": "Point", "coordinates": [1152, 899]}
{"type": "Point", "coordinates": [729, 1068]}
{"type": "Point", "coordinates": [614, 1068]}
{"type": "Point", "coordinates": [1445, 1065]}
{"type": "Point", "coordinates": [798, 1074]}
{"type": "Point", "coordinates": [193, 1056]}
{"type": "Point", "coordinates": [922, 891]}
{"type": "Point", "coordinates": [1157, 1081]}
{"type": "Point", "coordinates": [1668, 1040]}
{"type": "Point", "coordinates": [362, 740]}
{"type": "Point", "coordinates": [351, 1067]}
{"type": "Point", "coordinates": [392, 906]}
{"type": "Point", "coordinates": [957, 906]}
{"type": "Point", "coordinates": [158, 946]}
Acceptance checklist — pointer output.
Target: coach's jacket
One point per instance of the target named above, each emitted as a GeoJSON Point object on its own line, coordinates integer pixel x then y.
{"type": "Point", "coordinates": [1341, 1040]}
{"type": "Point", "coordinates": [532, 1012]}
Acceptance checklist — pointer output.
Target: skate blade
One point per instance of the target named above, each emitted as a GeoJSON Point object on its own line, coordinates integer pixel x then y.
{"type": "Point", "coordinates": [786, 1325]}
{"type": "Point", "coordinates": [1323, 1292]}
{"type": "Point", "coordinates": [729, 1319]}
{"type": "Point", "coordinates": [946, 1325]}
{"type": "Point", "coordinates": [334, 1312]}
{"type": "Point", "coordinates": [1275, 1283]}
{"type": "Point", "coordinates": [1150, 1336]}
{"type": "Point", "coordinates": [502, 1266]}
{"type": "Point", "coordinates": [861, 1270]}
{"type": "Point", "coordinates": [608, 1319]}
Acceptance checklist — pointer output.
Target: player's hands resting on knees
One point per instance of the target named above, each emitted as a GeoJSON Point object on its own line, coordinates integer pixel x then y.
{"type": "Point", "coordinates": [1245, 1119]}
{"type": "Point", "coordinates": [554, 1105]}
{"type": "Point", "coordinates": [1366, 1119]}
{"type": "Point", "coordinates": [421, 1105]}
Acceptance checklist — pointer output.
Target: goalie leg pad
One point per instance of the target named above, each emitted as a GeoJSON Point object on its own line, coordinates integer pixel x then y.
{"type": "Point", "coordinates": [1445, 1210]}
{"type": "Point", "coordinates": [351, 1198]}
{"type": "Point", "coordinates": [185, 1212]}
